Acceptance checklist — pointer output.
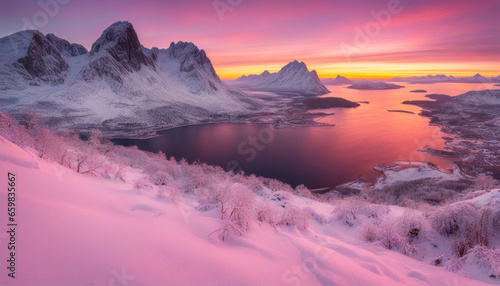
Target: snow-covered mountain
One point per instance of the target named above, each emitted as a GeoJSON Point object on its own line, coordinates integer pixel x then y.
{"type": "Point", "coordinates": [118, 85]}
{"type": "Point", "coordinates": [28, 57]}
{"type": "Point", "coordinates": [295, 77]}
{"type": "Point", "coordinates": [373, 85]}
{"type": "Point", "coordinates": [185, 62]}
{"type": "Point", "coordinates": [338, 80]}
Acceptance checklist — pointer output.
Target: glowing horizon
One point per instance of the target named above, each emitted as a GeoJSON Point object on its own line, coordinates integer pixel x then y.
{"type": "Point", "coordinates": [364, 39]}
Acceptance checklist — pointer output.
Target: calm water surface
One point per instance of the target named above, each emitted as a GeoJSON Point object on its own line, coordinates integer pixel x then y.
{"type": "Point", "coordinates": [318, 156]}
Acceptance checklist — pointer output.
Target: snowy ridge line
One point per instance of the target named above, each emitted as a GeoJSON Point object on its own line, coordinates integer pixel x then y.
{"type": "Point", "coordinates": [118, 85]}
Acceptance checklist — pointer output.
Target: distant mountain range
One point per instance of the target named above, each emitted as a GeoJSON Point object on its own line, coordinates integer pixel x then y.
{"type": "Point", "coordinates": [360, 84]}
{"type": "Point", "coordinates": [295, 77]}
{"type": "Point", "coordinates": [443, 78]}
{"type": "Point", "coordinates": [118, 85]}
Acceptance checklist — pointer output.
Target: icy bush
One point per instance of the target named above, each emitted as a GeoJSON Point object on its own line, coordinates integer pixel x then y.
{"type": "Point", "coordinates": [455, 219]}
{"type": "Point", "coordinates": [350, 209]}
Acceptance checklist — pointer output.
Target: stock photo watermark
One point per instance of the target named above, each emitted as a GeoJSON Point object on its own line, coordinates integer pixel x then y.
{"type": "Point", "coordinates": [48, 9]}
{"type": "Point", "coordinates": [11, 233]}
{"type": "Point", "coordinates": [120, 278]}
{"type": "Point", "coordinates": [223, 6]}
{"type": "Point", "coordinates": [251, 148]}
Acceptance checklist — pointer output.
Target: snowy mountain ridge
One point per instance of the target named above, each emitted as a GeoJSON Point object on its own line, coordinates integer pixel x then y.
{"type": "Point", "coordinates": [295, 77]}
{"type": "Point", "coordinates": [118, 85]}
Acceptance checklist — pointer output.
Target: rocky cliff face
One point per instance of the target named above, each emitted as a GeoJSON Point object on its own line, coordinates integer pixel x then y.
{"type": "Point", "coordinates": [117, 51]}
{"type": "Point", "coordinates": [36, 57]}
{"type": "Point", "coordinates": [65, 47]}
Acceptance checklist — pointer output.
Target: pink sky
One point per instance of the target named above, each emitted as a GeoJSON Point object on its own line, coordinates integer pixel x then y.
{"type": "Point", "coordinates": [422, 37]}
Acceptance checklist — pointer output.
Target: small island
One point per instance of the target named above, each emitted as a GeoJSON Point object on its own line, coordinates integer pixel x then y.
{"type": "Point", "coordinates": [328, 102]}
{"type": "Point", "coordinates": [419, 90]}
{"type": "Point", "coordinates": [402, 111]}
{"type": "Point", "coordinates": [373, 85]}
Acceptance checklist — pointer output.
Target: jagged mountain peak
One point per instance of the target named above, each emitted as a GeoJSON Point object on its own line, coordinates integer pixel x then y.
{"type": "Point", "coordinates": [121, 41]}
{"type": "Point", "coordinates": [33, 56]}
{"type": "Point", "coordinates": [118, 33]}
{"type": "Point", "coordinates": [65, 47]}
{"type": "Point", "coordinates": [265, 73]}
{"type": "Point", "coordinates": [117, 51]}
{"type": "Point", "coordinates": [295, 65]}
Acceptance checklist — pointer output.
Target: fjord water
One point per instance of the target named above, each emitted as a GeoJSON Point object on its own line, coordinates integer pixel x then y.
{"type": "Point", "coordinates": [318, 156]}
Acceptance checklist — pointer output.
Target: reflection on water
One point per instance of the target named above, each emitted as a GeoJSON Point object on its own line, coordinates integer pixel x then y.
{"type": "Point", "coordinates": [318, 156]}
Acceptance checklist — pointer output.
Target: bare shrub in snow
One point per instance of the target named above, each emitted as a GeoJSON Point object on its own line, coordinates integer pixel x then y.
{"type": "Point", "coordinates": [350, 209]}
{"type": "Point", "coordinates": [142, 184]}
{"type": "Point", "coordinates": [276, 185]}
{"type": "Point", "coordinates": [13, 131]}
{"type": "Point", "coordinates": [161, 178]}
{"type": "Point", "coordinates": [347, 211]}
{"type": "Point", "coordinates": [303, 191]}
{"type": "Point", "coordinates": [431, 191]}
{"type": "Point", "coordinates": [411, 226]}
{"type": "Point", "coordinates": [369, 232]}
{"type": "Point", "coordinates": [235, 203]}
{"type": "Point", "coordinates": [478, 257]}
{"type": "Point", "coordinates": [454, 219]}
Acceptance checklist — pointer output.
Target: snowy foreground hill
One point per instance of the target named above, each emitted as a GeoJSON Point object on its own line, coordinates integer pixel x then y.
{"type": "Point", "coordinates": [90, 213]}
{"type": "Point", "coordinates": [118, 85]}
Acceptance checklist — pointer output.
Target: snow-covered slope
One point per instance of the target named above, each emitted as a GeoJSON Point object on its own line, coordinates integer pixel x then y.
{"type": "Point", "coordinates": [373, 85]}
{"type": "Point", "coordinates": [294, 77]}
{"type": "Point", "coordinates": [480, 97]}
{"type": "Point", "coordinates": [119, 86]}
{"type": "Point", "coordinates": [338, 80]}
{"type": "Point", "coordinates": [82, 230]}
{"type": "Point", "coordinates": [191, 66]}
